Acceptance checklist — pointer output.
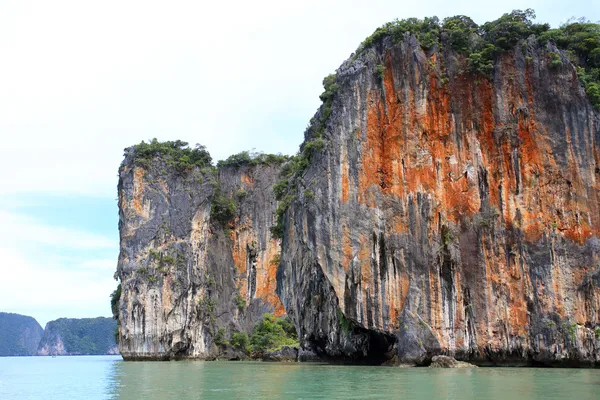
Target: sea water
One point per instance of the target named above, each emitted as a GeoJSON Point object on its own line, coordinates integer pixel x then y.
{"type": "Point", "coordinates": [110, 377]}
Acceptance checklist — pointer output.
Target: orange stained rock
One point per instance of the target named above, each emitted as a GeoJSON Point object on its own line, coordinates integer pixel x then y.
{"type": "Point", "coordinates": [344, 172]}
{"type": "Point", "coordinates": [518, 318]}
{"type": "Point", "coordinates": [266, 279]}
{"type": "Point", "coordinates": [167, 293]}
{"type": "Point", "coordinates": [138, 190]}
{"type": "Point", "coordinates": [266, 268]}
{"type": "Point", "coordinates": [415, 143]}
{"type": "Point", "coordinates": [364, 258]}
{"type": "Point", "coordinates": [246, 179]}
{"type": "Point", "coordinates": [436, 320]}
{"type": "Point", "coordinates": [239, 255]}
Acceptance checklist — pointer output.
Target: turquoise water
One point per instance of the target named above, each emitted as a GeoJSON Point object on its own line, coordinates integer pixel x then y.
{"type": "Point", "coordinates": [110, 378]}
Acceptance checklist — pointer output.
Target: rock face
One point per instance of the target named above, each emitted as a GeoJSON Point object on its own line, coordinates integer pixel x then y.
{"type": "Point", "coordinates": [448, 362]}
{"type": "Point", "coordinates": [186, 275]}
{"type": "Point", "coordinates": [79, 336]}
{"type": "Point", "coordinates": [285, 354]}
{"type": "Point", "coordinates": [19, 335]}
{"type": "Point", "coordinates": [439, 212]}
{"type": "Point", "coordinates": [451, 213]}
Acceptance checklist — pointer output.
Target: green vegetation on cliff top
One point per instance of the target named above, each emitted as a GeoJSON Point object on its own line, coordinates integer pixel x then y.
{"type": "Point", "coordinates": [175, 153]}
{"type": "Point", "coordinates": [178, 154]}
{"type": "Point", "coordinates": [247, 158]}
{"type": "Point", "coordinates": [481, 44]}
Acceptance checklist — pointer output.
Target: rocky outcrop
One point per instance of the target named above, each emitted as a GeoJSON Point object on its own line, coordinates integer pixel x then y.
{"type": "Point", "coordinates": [186, 274]}
{"type": "Point", "coordinates": [79, 336]}
{"type": "Point", "coordinates": [19, 335]}
{"type": "Point", "coordinates": [285, 354]}
{"type": "Point", "coordinates": [448, 362]}
{"type": "Point", "coordinates": [449, 213]}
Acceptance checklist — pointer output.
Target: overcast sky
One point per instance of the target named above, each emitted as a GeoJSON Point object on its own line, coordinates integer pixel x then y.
{"type": "Point", "coordinates": [81, 80]}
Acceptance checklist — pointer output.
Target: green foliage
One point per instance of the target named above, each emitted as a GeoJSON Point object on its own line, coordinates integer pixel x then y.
{"type": "Point", "coordinates": [312, 146]}
{"type": "Point", "coordinates": [222, 208]}
{"type": "Point", "coordinates": [581, 39]}
{"type": "Point", "coordinates": [115, 296]}
{"type": "Point", "coordinates": [282, 207]}
{"type": "Point", "coordinates": [207, 307]}
{"type": "Point", "coordinates": [154, 254]}
{"type": "Point", "coordinates": [19, 335]}
{"type": "Point", "coordinates": [447, 236]}
{"type": "Point", "coordinates": [482, 44]}
{"type": "Point", "coordinates": [174, 153]}
{"type": "Point", "coordinates": [168, 260]}
{"type": "Point", "coordinates": [276, 259]}
{"type": "Point", "coordinates": [572, 330]}
{"type": "Point", "coordinates": [380, 70]}
{"type": "Point", "coordinates": [426, 30]}
{"type": "Point", "coordinates": [593, 92]}
{"type": "Point", "coordinates": [331, 87]}
{"type": "Point", "coordinates": [240, 341]}
{"type": "Point", "coordinates": [597, 332]}
{"type": "Point", "coordinates": [271, 334]}
{"type": "Point", "coordinates": [89, 336]}
{"type": "Point", "coordinates": [460, 31]}
{"type": "Point", "coordinates": [240, 302]}
{"type": "Point", "coordinates": [163, 261]}
{"type": "Point", "coordinates": [505, 32]}
{"type": "Point", "coordinates": [346, 324]}
{"type": "Point", "coordinates": [482, 61]}
{"type": "Point", "coordinates": [246, 158]}
{"type": "Point", "coordinates": [220, 337]}
{"type": "Point", "coordinates": [555, 60]}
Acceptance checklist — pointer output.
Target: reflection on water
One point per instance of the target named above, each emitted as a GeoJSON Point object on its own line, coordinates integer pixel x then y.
{"type": "Point", "coordinates": [93, 378]}
{"type": "Point", "coordinates": [227, 380]}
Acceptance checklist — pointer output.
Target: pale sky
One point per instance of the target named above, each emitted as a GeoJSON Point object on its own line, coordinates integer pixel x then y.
{"type": "Point", "coordinates": [81, 80]}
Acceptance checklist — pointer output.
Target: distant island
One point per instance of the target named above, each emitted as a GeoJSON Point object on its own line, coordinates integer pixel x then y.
{"type": "Point", "coordinates": [21, 335]}
{"type": "Point", "coordinates": [85, 336]}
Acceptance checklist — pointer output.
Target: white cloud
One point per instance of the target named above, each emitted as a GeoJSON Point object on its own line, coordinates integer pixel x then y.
{"type": "Point", "coordinates": [18, 230]}
{"type": "Point", "coordinates": [106, 264]}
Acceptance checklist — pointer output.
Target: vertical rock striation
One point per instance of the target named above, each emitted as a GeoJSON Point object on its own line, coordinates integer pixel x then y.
{"type": "Point", "coordinates": [451, 213]}
{"type": "Point", "coordinates": [185, 274]}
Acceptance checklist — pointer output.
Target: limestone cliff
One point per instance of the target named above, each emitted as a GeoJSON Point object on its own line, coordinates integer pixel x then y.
{"type": "Point", "coordinates": [187, 272]}
{"type": "Point", "coordinates": [445, 201]}
{"type": "Point", "coordinates": [449, 212]}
